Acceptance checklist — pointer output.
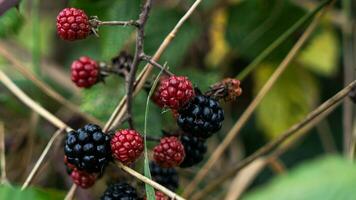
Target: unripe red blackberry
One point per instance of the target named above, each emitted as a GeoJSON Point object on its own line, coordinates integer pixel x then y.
{"type": "Point", "coordinates": [156, 97]}
{"type": "Point", "coordinates": [120, 191]}
{"type": "Point", "coordinates": [169, 152]}
{"type": "Point", "coordinates": [85, 72]}
{"type": "Point", "coordinates": [201, 117]}
{"type": "Point", "coordinates": [168, 177]}
{"type": "Point", "coordinates": [83, 179]}
{"type": "Point", "coordinates": [72, 24]}
{"type": "Point", "coordinates": [126, 146]}
{"type": "Point", "coordinates": [175, 91]}
{"type": "Point", "coordinates": [159, 196]}
{"type": "Point", "coordinates": [194, 148]}
{"type": "Point", "coordinates": [88, 149]}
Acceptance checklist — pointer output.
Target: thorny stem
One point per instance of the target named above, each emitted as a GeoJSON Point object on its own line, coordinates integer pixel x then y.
{"type": "Point", "coordinates": [141, 22]}
{"type": "Point", "coordinates": [149, 59]}
{"type": "Point", "coordinates": [95, 22]}
{"type": "Point", "coordinates": [292, 131]}
{"type": "Point", "coordinates": [253, 105]}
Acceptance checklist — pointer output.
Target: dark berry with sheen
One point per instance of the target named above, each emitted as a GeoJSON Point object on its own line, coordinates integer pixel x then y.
{"type": "Point", "coordinates": [169, 152]}
{"type": "Point", "coordinates": [72, 24]}
{"type": "Point", "coordinates": [168, 177]}
{"type": "Point", "coordinates": [88, 148]}
{"type": "Point", "coordinates": [194, 148]}
{"type": "Point", "coordinates": [120, 191]}
{"type": "Point", "coordinates": [201, 117]}
{"type": "Point", "coordinates": [83, 179]}
{"type": "Point", "coordinates": [175, 91]}
{"type": "Point", "coordinates": [126, 146]}
{"type": "Point", "coordinates": [85, 72]}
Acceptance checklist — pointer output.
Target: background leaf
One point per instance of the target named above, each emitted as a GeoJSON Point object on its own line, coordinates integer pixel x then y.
{"type": "Point", "coordinates": [321, 55]}
{"type": "Point", "coordinates": [290, 99]}
{"type": "Point", "coordinates": [327, 178]}
{"type": "Point", "coordinates": [14, 193]}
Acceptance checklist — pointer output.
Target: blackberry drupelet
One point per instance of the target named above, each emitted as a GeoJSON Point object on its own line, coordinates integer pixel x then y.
{"type": "Point", "coordinates": [120, 191]}
{"type": "Point", "coordinates": [83, 179]}
{"type": "Point", "coordinates": [194, 148]}
{"type": "Point", "coordinates": [88, 148]}
{"type": "Point", "coordinates": [201, 117]}
{"type": "Point", "coordinates": [167, 177]}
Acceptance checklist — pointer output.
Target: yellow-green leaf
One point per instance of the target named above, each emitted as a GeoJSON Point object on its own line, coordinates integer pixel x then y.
{"type": "Point", "coordinates": [322, 54]}
{"type": "Point", "coordinates": [290, 99]}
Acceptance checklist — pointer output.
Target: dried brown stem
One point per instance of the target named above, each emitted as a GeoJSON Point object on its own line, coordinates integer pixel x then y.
{"type": "Point", "coordinates": [327, 106]}
{"type": "Point", "coordinates": [156, 64]}
{"type": "Point", "coordinates": [251, 108]}
{"type": "Point", "coordinates": [40, 160]}
{"type": "Point", "coordinates": [71, 192]}
{"type": "Point", "coordinates": [144, 179]}
{"type": "Point", "coordinates": [44, 86]}
{"type": "Point", "coordinates": [31, 103]}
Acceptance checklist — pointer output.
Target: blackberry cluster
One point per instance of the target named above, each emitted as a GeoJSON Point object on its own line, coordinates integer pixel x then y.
{"type": "Point", "coordinates": [167, 177]}
{"type": "Point", "coordinates": [194, 148]}
{"type": "Point", "coordinates": [88, 148]}
{"type": "Point", "coordinates": [169, 152]}
{"type": "Point", "coordinates": [120, 191]}
{"type": "Point", "coordinates": [201, 117]}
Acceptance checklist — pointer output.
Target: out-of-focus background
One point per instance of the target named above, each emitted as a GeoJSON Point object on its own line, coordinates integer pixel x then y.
{"type": "Point", "coordinates": [220, 40]}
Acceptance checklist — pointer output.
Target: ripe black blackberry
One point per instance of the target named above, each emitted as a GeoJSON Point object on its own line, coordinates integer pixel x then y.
{"type": "Point", "coordinates": [120, 191]}
{"type": "Point", "coordinates": [201, 117]}
{"type": "Point", "coordinates": [194, 148]}
{"type": "Point", "coordinates": [88, 148]}
{"type": "Point", "coordinates": [167, 177]}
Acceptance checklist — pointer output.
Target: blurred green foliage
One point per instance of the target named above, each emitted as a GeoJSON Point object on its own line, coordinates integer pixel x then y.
{"type": "Point", "coordinates": [326, 178]}
{"type": "Point", "coordinates": [14, 193]}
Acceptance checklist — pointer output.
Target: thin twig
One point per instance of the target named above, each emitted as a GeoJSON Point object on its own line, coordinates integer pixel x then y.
{"type": "Point", "coordinates": [149, 59]}
{"type": "Point", "coordinates": [143, 76]}
{"type": "Point", "coordinates": [144, 179]}
{"type": "Point", "coordinates": [251, 108]}
{"type": "Point", "coordinates": [40, 160]}
{"type": "Point", "coordinates": [44, 86]}
{"type": "Point", "coordinates": [31, 103]}
{"type": "Point", "coordinates": [327, 106]}
{"type": "Point", "coordinates": [96, 23]}
{"type": "Point", "coordinates": [3, 179]}
{"type": "Point", "coordinates": [141, 22]}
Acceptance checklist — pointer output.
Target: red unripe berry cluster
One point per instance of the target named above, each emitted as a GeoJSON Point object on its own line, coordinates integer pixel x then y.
{"type": "Point", "coordinates": [85, 72]}
{"type": "Point", "coordinates": [72, 24]}
{"type": "Point", "coordinates": [169, 152]}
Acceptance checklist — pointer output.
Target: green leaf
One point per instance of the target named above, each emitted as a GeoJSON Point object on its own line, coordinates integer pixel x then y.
{"type": "Point", "coordinates": [290, 99]}
{"type": "Point", "coordinates": [101, 99]}
{"type": "Point", "coordinates": [14, 193]}
{"type": "Point", "coordinates": [327, 178]}
{"type": "Point", "coordinates": [10, 22]}
{"type": "Point", "coordinates": [322, 54]}
{"type": "Point", "coordinates": [150, 193]}
{"type": "Point", "coordinates": [157, 29]}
